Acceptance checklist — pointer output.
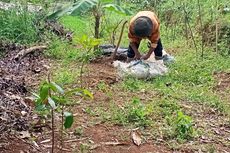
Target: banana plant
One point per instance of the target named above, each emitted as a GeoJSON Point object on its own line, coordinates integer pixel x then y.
{"type": "Point", "coordinates": [96, 7]}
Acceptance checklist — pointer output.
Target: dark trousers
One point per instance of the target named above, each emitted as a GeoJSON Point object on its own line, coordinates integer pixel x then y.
{"type": "Point", "coordinates": [157, 51]}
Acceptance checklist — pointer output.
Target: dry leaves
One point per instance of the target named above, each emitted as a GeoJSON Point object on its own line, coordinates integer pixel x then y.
{"type": "Point", "coordinates": [136, 138]}
{"type": "Point", "coordinates": [24, 134]}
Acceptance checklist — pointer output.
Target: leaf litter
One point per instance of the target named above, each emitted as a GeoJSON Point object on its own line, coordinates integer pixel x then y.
{"type": "Point", "coordinates": [17, 79]}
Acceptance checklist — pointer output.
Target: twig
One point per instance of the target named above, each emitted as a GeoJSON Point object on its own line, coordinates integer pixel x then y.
{"type": "Point", "coordinates": [114, 32]}
{"type": "Point", "coordinates": [45, 141]}
{"type": "Point", "coordinates": [63, 149]}
{"type": "Point", "coordinates": [194, 42]}
{"type": "Point", "coordinates": [74, 140]}
{"type": "Point", "coordinates": [114, 143]}
{"type": "Point", "coordinates": [62, 129]}
{"type": "Point", "coordinates": [52, 118]}
{"type": "Point", "coordinates": [24, 52]}
{"type": "Point", "coordinates": [108, 144]}
{"type": "Point", "coordinates": [119, 41]}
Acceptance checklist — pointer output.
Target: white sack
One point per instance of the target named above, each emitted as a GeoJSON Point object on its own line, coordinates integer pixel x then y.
{"type": "Point", "coordinates": [140, 69]}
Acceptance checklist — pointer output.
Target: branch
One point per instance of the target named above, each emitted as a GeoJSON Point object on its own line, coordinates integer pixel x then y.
{"type": "Point", "coordinates": [115, 51]}
{"type": "Point", "coordinates": [24, 52]}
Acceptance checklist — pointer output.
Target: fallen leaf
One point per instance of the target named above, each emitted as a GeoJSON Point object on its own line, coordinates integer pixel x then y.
{"type": "Point", "coordinates": [35, 143]}
{"type": "Point", "coordinates": [24, 134]}
{"type": "Point", "coordinates": [23, 113]}
{"type": "Point", "coordinates": [136, 138]}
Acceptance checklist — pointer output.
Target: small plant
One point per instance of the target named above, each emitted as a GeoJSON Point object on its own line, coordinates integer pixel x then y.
{"type": "Point", "coordinates": [131, 84]}
{"type": "Point", "coordinates": [52, 97]}
{"type": "Point", "coordinates": [134, 113]}
{"type": "Point", "coordinates": [182, 126]}
{"type": "Point", "coordinates": [137, 113]}
{"type": "Point", "coordinates": [87, 43]}
{"type": "Point", "coordinates": [102, 86]}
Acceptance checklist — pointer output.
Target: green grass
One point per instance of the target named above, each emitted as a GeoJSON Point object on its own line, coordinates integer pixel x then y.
{"type": "Point", "coordinates": [63, 50]}
{"type": "Point", "coordinates": [20, 26]}
{"type": "Point", "coordinates": [190, 81]}
{"type": "Point", "coordinates": [133, 113]}
{"type": "Point", "coordinates": [78, 25]}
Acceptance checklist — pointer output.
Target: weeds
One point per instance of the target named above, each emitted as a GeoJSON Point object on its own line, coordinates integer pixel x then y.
{"type": "Point", "coordinates": [20, 26]}
{"type": "Point", "coordinates": [182, 126]}
{"type": "Point", "coordinates": [134, 113]}
{"type": "Point", "coordinates": [66, 74]}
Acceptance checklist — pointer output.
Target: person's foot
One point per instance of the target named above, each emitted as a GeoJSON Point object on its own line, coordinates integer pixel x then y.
{"type": "Point", "coordinates": [159, 57]}
{"type": "Point", "coordinates": [167, 59]}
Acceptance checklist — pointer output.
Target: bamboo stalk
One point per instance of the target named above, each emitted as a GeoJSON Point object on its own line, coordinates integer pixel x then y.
{"type": "Point", "coordinates": [216, 26]}
{"type": "Point", "coordinates": [201, 26]}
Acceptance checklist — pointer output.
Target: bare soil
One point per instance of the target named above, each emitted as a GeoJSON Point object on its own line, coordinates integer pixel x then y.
{"type": "Point", "coordinates": [89, 132]}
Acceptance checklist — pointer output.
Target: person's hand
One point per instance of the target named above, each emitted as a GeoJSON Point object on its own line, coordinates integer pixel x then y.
{"type": "Point", "coordinates": [137, 56]}
{"type": "Point", "coordinates": [145, 57]}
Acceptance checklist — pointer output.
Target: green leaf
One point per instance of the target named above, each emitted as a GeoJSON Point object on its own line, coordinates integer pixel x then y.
{"type": "Point", "coordinates": [68, 119]}
{"type": "Point", "coordinates": [44, 91]}
{"type": "Point", "coordinates": [40, 108]}
{"type": "Point", "coordinates": [82, 92]}
{"type": "Point", "coordinates": [117, 9]}
{"type": "Point", "coordinates": [59, 12]}
{"type": "Point", "coordinates": [59, 100]}
{"type": "Point", "coordinates": [88, 93]}
{"type": "Point", "coordinates": [57, 87]}
{"type": "Point", "coordinates": [106, 1]}
{"type": "Point", "coordinates": [75, 9]}
{"type": "Point", "coordinates": [51, 102]}
{"type": "Point", "coordinates": [76, 90]}
{"type": "Point", "coordinates": [35, 95]}
{"type": "Point", "coordinates": [82, 6]}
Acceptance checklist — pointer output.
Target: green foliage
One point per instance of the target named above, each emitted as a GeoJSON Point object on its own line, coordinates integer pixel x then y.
{"type": "Point", "coordinates": [66, 74]}
{"type": "Point", "coordinates": [78, 131]}
{"type": "Point", "coordinates": [88, 42]}
{"type": "Point", "coordinates": [82, 6]}
{"type": "Point", "coordinates": [20, 26]}
{"type": "Point", "coordinates": [166, 107]}
{"type": "Point", "coordinates": [79, 25]}
{"type": "Point", "coordinates": [134, 113]}
{"type": "Point", "coordinates": [132, 84]}
{"type": "Point", "coordinates": [52, 96]}
{"type": "Point", "coordinates": [68, 119]}
{"type": "Point", "coordinates": [182, 126]}
{"type": "Point", "coordinates": [59, 49]}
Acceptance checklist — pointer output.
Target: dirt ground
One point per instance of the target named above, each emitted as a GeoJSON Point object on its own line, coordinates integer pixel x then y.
{"type": "Point", "coordinates": [18, 78]}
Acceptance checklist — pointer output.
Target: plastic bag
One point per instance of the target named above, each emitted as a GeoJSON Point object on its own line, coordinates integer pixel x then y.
{"type": "Point", "coordinates": [140, 69]}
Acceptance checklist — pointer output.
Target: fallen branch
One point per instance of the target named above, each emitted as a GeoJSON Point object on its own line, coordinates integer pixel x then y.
{"type": "Point", "coordinates": [108, 144]}
{"type": "Point", "coordinates": [114, 143]}
{"type": "Point", "coordinates": [24, 52]}
{"type": "Point", "coordinates": [75, 140]}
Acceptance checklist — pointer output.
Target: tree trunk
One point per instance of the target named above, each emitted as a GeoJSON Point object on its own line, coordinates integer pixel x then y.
{"type": "Point", "coordinates": [97, 25]}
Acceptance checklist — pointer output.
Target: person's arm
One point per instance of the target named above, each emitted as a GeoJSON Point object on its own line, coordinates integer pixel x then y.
{"type": "Point", "coordinates": [133, 41]}
{"type": "Point", "coordinates": [146, 56]}
{"type": "Point", "coordinates": [135, 49]}
{"type": "Point", "coordinates": [154, 40]}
